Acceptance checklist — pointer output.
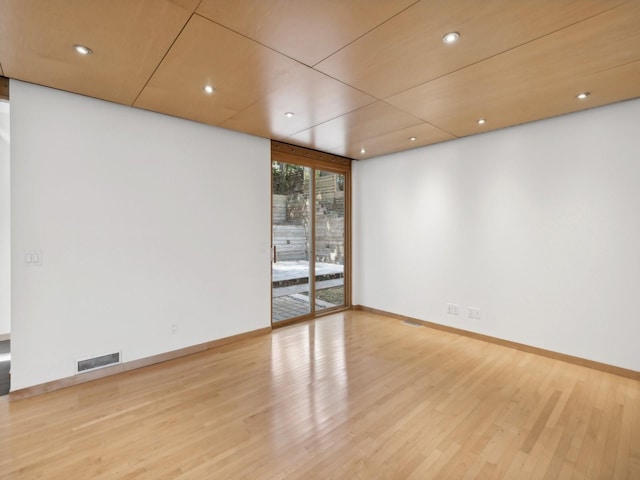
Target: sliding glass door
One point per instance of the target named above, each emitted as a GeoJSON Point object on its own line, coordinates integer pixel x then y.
{"type": "Point", "coordinates": [291, 225]}
{"type": "Point", "coordinates": [329, 239]}
{"type": "Point", "coordinates": [309, 241]}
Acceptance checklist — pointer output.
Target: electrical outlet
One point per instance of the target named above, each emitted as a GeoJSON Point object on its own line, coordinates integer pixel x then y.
{"type": "Point", "coordinates": [473, 313]}
{"type": "Point", "coordinates": [452, 309]}
{"type": "Point", "coordinates": [174, 328]}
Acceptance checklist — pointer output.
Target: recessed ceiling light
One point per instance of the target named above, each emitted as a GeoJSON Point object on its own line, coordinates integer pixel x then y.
{"type": "Point", "coordinates": [289, 114]}
{"type": "Point", "coordinates": [362, 150]}
{"type": "Point", "coordinates": [82, 50]}
{"type": "Point", "coordinates": [583, 95]}
{"type": "Point", "coordinates": [451, 37]}
{"type": "Point", "coordinates": [481, 121]}
{"type": "Point", "coordinates": [413, 139]}
{"type": "Point", "coordinates": [208, 89]}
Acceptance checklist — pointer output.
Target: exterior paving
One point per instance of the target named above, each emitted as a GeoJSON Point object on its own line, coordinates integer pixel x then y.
{"type": "Point", "coordinates": [295, 305]}
{"type": "Point", "coordinates": [290, 301]}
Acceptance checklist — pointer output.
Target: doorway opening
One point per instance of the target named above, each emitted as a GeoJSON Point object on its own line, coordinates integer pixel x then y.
{"type": "Point", "coordinates": [310, 233]}
{"type": "Point", "coordinates": [5, 239]}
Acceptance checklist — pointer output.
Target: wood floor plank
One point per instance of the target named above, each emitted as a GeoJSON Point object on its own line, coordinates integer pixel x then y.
{"type": "Point", "coordinates": [632, 469]}
{"type": "Point", "coordinates": [353, 395]}
{"type": "Point", "coordinates": [623, 451]}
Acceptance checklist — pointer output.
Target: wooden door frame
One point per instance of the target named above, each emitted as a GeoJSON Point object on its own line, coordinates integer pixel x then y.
{"type": "Point", "coordinates": [316, 160]}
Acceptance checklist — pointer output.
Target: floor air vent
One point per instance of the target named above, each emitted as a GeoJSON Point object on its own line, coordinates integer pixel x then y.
{"type": "Point", "coordinates": [98, 362]}
{"type": "Point", "coordinates": [411, 324]}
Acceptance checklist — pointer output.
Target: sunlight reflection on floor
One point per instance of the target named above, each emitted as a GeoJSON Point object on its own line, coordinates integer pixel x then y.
{"type": "Point", "coordinates": [311, 362]}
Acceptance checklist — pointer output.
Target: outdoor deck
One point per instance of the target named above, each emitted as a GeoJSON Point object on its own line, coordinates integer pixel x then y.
{"type": "Point", "coordinates": [290, 290]}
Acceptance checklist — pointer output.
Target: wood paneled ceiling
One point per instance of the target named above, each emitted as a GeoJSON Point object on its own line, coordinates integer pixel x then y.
{"type": "Point", "coordinates": [372, 74]}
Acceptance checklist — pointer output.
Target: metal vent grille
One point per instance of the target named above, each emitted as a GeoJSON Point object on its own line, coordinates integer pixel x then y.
{"type": "Point", "coordinates": [411, 324]}
{"type": "Point", "coordinates": [98, 362]}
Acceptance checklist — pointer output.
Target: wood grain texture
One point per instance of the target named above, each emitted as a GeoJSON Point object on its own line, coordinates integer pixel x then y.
{"type": "Point", "coordinates": [397, 140]}
{"type": "Point", "coordinates": [241, 71]}
{"type": "Point", "coordinates": [624, 372]}
{"type": "Point", "coordinates": [329, 60]}
{"type": "Point", "coordinates": [313, 97]}
{"type": "Point", "coordinates": [352, 395]}
{"type": "Point", "coordinates": [284, 152]}
{"type": "Point", "coordinates": [537, 80]}
{"type": "Point", "coordinates": [4, 88]}
{"type": "Point", "coordinates": [320, 28]}
{"type": "Point", "coordinates": [127, 366]}
{"type": "Point", "coordinates": [339, 135]}
{"type": "Point", "coordinates": [128, 40]}
{"type": "Point", "coordinates": [254, 85]}
{"type": "Point", "coordinates": [408, 50]}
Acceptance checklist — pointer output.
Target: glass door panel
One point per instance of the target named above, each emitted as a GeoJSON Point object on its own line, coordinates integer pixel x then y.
{"type": "Point", "coordinates": [329, 239]}
{"type": "Point", "coordinates": [291, 229]}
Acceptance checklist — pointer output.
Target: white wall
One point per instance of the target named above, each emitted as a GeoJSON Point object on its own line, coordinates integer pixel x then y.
{"type": "Point", "coordinates": [144, 221]}
{"type": "Point", "coordinates": [536, 225]}
{"type": "Point", "coordinates": [5, 223]}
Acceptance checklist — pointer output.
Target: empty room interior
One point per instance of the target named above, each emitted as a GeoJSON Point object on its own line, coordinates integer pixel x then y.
{"type": "Point", "coordinates": [360, 239]}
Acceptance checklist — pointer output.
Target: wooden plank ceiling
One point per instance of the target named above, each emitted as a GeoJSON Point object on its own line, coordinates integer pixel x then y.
{"type": "Point", "coordinates": [356, 74]}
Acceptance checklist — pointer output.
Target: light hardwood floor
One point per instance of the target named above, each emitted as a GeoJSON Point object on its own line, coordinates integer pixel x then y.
{"type": "Point", "coordinates": [350, 396]}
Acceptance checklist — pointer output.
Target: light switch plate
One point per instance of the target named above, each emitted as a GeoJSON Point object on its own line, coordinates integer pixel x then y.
{"type": "Point", "coordinates": [33, 258]}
